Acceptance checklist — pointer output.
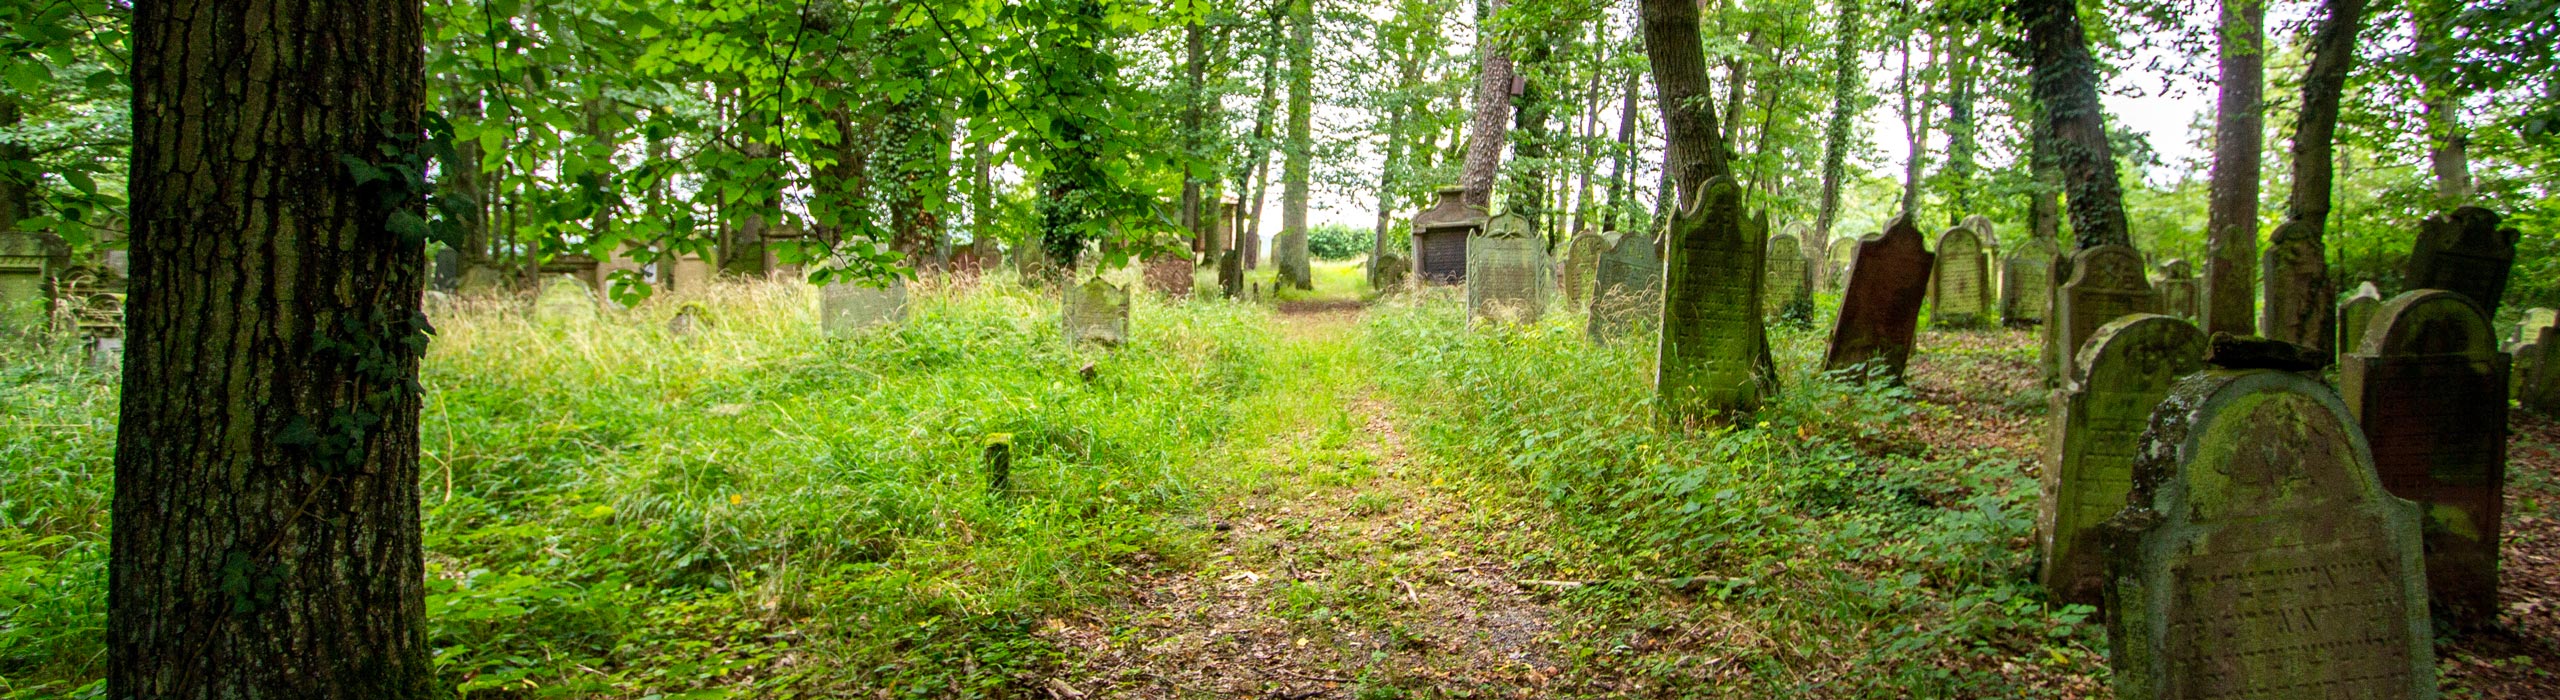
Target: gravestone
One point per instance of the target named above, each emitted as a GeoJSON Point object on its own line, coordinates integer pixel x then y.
{"type": "Point", "coordinates": [1096, 312]}
{"type": "Point", "coordinates": [564, 299]}
{"type": "Point", "coordinates": [1627, 286]}
{"type": "Point", "coordinates": [24, 306]}
{"type": "Point", "coordinates": [1960, 282]}
{"type": "Point", "coordinates": [2178, 288]}
{"type": "Point", "coordinates": [2429, 386]}
{"type": "Point", "coordinates": [1507, 272]}
{"type": "Point", "coordinates": [2259, 557]}
{"type": "Point", "coordinates": [2106, 283]}
{"type": "Point", "coordinates": [2355, 313]}
{"type": "Point", "coordinates": [1712, 360]}
{"type": "Point", "coordinates": [1581, 263]}
{"type": "Point", "coordinates": [847, 309]}
{"type": "Point", "coordinates": [2026, 282]}
{"type": "Point", "coordinates": [1231, 273]}
{"type": "Point", "coordinates": [2464, 251]}
{"type": "Point", "coordinates": [2535, 319]}
{"type": "Point", "coordinates": [1990, 235]}
{"type": "Point", "coordinates": [1390, 271]}
{"type": "Point", "coordinates": [2539, 361]}
{"type": "Point", "coordinates": [1880, 313]}
{"type": "Point", "coordinates": [1838, 257]}
{"type": "Point", "coordinates": [448, 270]}
{"type": "Point", "coordinates": [1170, 275]}
{"type": "Point", "coordinates": [2098, 417]}
{"type": "Point", "coordinates": [689, 320]}
{"type": "Point", "coordinates": [1440, 238]}
{"type": "Point", "coordinates": [1783, 291]}
{"type": "Point", "coordinates": [2294, 282]}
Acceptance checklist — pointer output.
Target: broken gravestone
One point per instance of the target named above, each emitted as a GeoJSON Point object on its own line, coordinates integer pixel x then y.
{"type": "Point", "coordinates": [2259, 557]}
{"type": "Point", "coordinates": [1713, 358]}
{"type": "Point", "coordinates": [2464, 251]}
{"type": "Point", "coordinates": [2355, 314]}
{"type": "Point", "coordinates": [1960, 283]}
{"type": "Point", "coordinates": [2106, 284]}
{"type": "Point", "coordinates": [2539, 361]}
{"type": "Point", "coordinates": [2178, 288]}
{"type": "Point", "coordinates": [1581, 263]}
{"type": "Point", "coordinates": [2026, 282]}
{"type": "Point", "coordinates": [1783, 290]}
{"type": "Point", "coordinates": [846, 309]}
{"type": "Point", "coordinates": [1880, 314]}
{"type": "Point", "coordinates": [1626, 288]}
{"type": "Point", "coordinates": [564, 299]}
{"type": "Point", "coordinates": [2098, 417]}
{"type": "Point", "coordinates": [1096, 312]}
{"type": "Point", "coordinates": [1506, 272]}
{"type": "Point", "coordinates": [2429, 386]}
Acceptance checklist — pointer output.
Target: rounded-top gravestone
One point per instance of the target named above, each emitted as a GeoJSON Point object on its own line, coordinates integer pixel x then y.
{"type": "Point", "coordinates": [1784, 289]}
{"type": "Point", "coordinates": [2429, 386]}
{"type": "Point", "coordinates": [1627, 287]}
{"type": "Point", "coordinates": [1507, 272]}
{"type": "Point", "coordinates": [1960, 285]}
{"type": "Point", "coordinates": [1713, 353]}
{"type": "Point", "coordinates": [2106, 284]}
{"type": "Point", "coordinates": [2464, 251]}
{"type": "Point", "coordinates": [2098, 418]}
{"type": "Point", "coordinates": [2026, 282]}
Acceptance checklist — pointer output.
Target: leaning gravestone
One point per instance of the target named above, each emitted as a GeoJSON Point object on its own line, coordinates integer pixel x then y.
{"type": "Point", "coordinates": [2106, 284]}
{"type": "Point", "coordinates": [849, 308]}
{"type": "Point", "coordinates": [564, 300]}
{"type": "Point", "coordinates": [1783, 291]}
{"type": "Point", "coordinates": [2259, 557]}
{"type": "Point", "coordinates": [2098, 418]}
{"type": "Point", "coordinates": [2540, 388]}
{"type": "Point", "coordinates": [1841, 255]}
{"type": "Point", "coordinates": [1960, 283]}
{"type": "Point", "coordinates": [2355, 314]}
{"type": "Point", "coordinates": [1097, 312]}
{"type": "Point", "coordinates": [2465, 252]}
{"type": "Point", "coordinates": [1581, 263]}
{"type": "Point", "coordinates": [1880, 314]}
{"type": "Point", "coordinates": [23, 304]}
{"type": "Point", "coordinates": [2430, 388]}
{"type": "Point", "coordinates": [1170, 275]}
{"type": "Point", "coordinates": [1506, 272]}
{"type": "Point", "coordinates": [2294, 278]}
{"type": "Point", "coordinates": [1626, 288]}
{"type": "Point", "coordinates": [2026, 282]}
{"type": "Point", "coordinates": [1713, 353]}
{"type": "Point", "coordinates": [2178, 288]}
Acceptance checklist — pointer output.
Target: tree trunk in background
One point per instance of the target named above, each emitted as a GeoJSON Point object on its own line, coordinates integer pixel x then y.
{"type": "Point", "coordinates": [2301, 303]}
{"type": "Point", "coordinates": [1408, 63]}
{"type": "Point", "coordinates": [266, 540]}
{"type": "Point", "coordinates": [1693, 152]}
{"type": "Point", "coordinates": [1290, 251]}
{"type": "Point", "coordinates": [1490, 127]}
{"type": "Point", "coordinates": [2448, 143]}
{"type": "Point", "coordinates": [1249, 235]}
{"type": "Point", "coordinates": [982, 214]}
{"type": "Point", "coordinates": [1530, 114]}
{"type": "Point", "coordinates": [1620, 176]}
{"type": "Point", "coordinates": [461, 172]}
{"type": "Point", "coordinates": [1589, 158]}
{"type": "Point", "coordinates": [2066, 84]}
{"type": "Point", "coordinates": [1915, 130]}
{"type": "Point", "coordinates": [2230, 302]}
{"type": "Point", "coordinates": [17, 191]}
{"type": "Point", "coordinates": [1961, 143]}
{"type": "Point", "coordinates": [1846, 77]}
{"type": "Point", "coordinates": [1195, 58]}
{"type": "Point", "coordinates": [2044, 203]}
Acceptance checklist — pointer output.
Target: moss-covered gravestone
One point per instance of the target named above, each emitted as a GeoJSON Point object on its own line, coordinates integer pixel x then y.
{"type": "Point", "coordinates": [2355, 314]}
{"type": "Point", "coordinates": [2300, 301]}
{"type": "Point", "coordinates": [2540, 388]}
{"type": "Point", "coordinates": [847, 309]}
{"type": "Point", "coordinates": [2178, 288]}
{"type": "Point", "coordinates": [1880, 314]}
{"type": "Point", "coordinates": [1837, 258]}
{"type": "Point", "coordinates": [2098, 418]}
{"type": "Point", "coordinates": [1783, 290]}
{"type": "Point", "coordinates": [564, 299]}
{"type": "Point", "coordinates": [1095, 312]}
{"type": "Point", "coordinates": [2026, 282]}
{"type": "Point", "coordinates": [2429, 386]}
{"type": "Point", "coordinates": [1507, 272]}
{"type": "Point", "coordinates": [2465, 252]}
{"type": "Point", "coordinates": [1960, 283]}
{"type": "Point", "coordinates": [23, 300]}
{"type": "Point", "coordinates": [1714, 351]}
{"type": "Point", "coordinates": [1581, 263]}
{"type": "Point", "coordinates": [1389, 271]}
{"type": "Point", "coordinates": [2260, 557]}
{"type": "Point", "coordinates": [1627, 286]}
{"type": "Point", "coordinates": [2106, 283]}
{"type": "Point", "coordinates": [1170, 275]}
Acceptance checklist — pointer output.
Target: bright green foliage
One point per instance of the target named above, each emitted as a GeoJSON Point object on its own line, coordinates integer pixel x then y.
{"type": "Point", "coordinates": [1337, 242]}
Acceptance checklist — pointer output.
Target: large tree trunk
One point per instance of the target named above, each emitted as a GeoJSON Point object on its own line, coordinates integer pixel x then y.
{"type": "Point", "coordinates": [2300, 304]}
{"type": "Point", "coordinates": [1915, 132]}
{"type": "Point", "coordinates": [266, 538]}
{"type": "Point", "coordinates": [1531, 111]}
{"type": "Point", "coordinates": [1489, 129]}
{"type": "Point", "coordinates": [2066, 84]}
{"type": "Point", "coordinates": [17, 190]}
{"type": "Point", "coordinates": [2230, 302]}
{"type": "Point", "coordinates": [1846, 76]}
{"type": "Point", "coordinates": [1693, 151]}
{"type": "Point", "coordinates": [2044, 166]}
{"type": "Point", "coordinates": [1195, 59]}
{"type": "Point", "coordinates": [2440, 96]}
{"type": "Point", "coordinates": [1290, 251]}
{"type": "Point", "coordinates": [1960, 129]}
{"type": "Point", "coordinates": [1249, 236]}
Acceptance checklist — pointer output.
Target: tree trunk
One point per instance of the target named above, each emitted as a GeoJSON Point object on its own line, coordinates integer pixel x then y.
{"type": "Point", "coordinates": [2044, 202]}
{"type": "Point", "coordinates": [2066, 84]}
{"type": "Point", "coordinates": [2440, 97]}
{"type": "Point", "coordinates": [1489, 128]}
{"type": "Point", "coordinates": [1693, 152]}
{"type": "Point", "coordinates": [1588, 159]}
{"type": "Point", "coordinates": [1290, 251]}
{"type": "Point", "coordinates": [1195, 58]}
{"type": "Point", "coordinates": [1531, 112]}
{"type": "Point", "coordinates": [2231, 230]}
{"type": "Point", "coordinates": [17, 190]}
{"type": "Point", "coordinates": [1915, 129]}
{"type": "Point", "coordinates": [266, 537]}
{"type": "Point", "coordinates": [982, 215]}
{"type": "Point", "coordinates": [1960, 130]}
{"type": "Point", "coordinates": [1621, 212]}
{"type": "Point", "coordinates": [1249, 236]}
{"type": "Point", "coordinates": [2301, 308]}
{"type": "Point", "coordinates": [1846, 77]}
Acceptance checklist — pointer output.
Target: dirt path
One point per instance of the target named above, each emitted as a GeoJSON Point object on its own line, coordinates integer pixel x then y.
{"type": "Point", "coordinates": [1338, 569]}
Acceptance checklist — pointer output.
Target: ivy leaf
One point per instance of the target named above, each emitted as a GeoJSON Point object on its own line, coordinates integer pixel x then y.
{"type": "Point", "coordinates": [364, 173]}
{"type": "Point", "coordinates": [408, 225]}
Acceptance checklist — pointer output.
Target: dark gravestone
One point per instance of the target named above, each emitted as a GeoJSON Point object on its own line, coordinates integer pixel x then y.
{"type": "Point", "coordinates": [2259, 557]}
{"type": "Point", "coordinates": [2106, 283]}
{"type": "Point", "coordinates": [1389, 271]}
{"type": "Point", "coordinates": [1581, 262]}
{"type": "Point", "coordinates": [1507, 272]}
{"type": "Point", "coordinates": [1627, 287]}
{"type": "Point", "coordinates": [1960, 283]}
{"type": "Point", "coordinates": [2464, 252]}
{"type": "Point", "coordinates": [2429, 386]}
{"type": "Point", "coordinates": [1837, 258]}
{"type": "Point", "coordinates": [2294, 276]}
{"type": "Point", "coordinates": [1231, 273]}
{"type": "Point", "coordinates": [2026, 282]}
{"type": "Point", "coordinates": [1713, 348]}
{"type": "Point", "coordinates": [2355, 314]}
{"type": "Point", "coordinates": [1783, 290]}
{"type": "Point", "coordinates": [2178, 287]}
{"type": "Point", "coordinates": [1097, 312]}
{"type": "Point", "coordinates": [1880, 314]}
{"type": "Point", "coordinates": [1170, 275]}
{"type": "Point", "coordinates": [2540, 389]}
{"type": "Point", "coordinates": [1440, 238]}
{"type": "Point", "coordinates": [2098, 418]}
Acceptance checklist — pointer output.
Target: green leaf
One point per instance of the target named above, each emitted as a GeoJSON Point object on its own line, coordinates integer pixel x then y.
{"type": "Point", "coordinates": [28, 77]}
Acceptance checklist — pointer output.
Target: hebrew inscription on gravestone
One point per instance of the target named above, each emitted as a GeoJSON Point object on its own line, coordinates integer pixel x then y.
{"type": "Point", "coordinates": [2429, 387]}
{"type": "Point", "coordinates": [1507, 272]}
{"type": "Point", "coordinates": [1783, 290]}
{"type": "Point", "coordinates": [2106, 284]}
{"type": "Point", "coordinates": [1960, 286]}
{"type": "Point", "coordinates": [1713, 347]}
{"type": "Point", "coordinates": [2098, 418]}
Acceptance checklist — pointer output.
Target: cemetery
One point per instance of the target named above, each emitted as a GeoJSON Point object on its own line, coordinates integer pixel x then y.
{"type": "Point", "coordinates": [1062, 349]}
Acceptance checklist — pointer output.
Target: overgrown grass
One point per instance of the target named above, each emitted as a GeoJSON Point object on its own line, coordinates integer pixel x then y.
{"type": "Point", "coordinates": [613, 510]}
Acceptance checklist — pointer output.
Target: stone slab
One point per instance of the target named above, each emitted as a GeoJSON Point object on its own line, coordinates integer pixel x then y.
{"type": "Point", "coordinates": [2466, 252]}
{"type": "Point", "coordinates": [1880, 313]}
{"type": "Point", "coordinates": [2026, 282]}
{"type": "Point", "coordinates": [848, 309]}
{"type": "Point", "coordinates": [2096, 427]}
{"type": "Point", "coordinates": [2106, 283]}
{"type": "Point", "coordinates": [1095, 312]}
{"type": "Point", "coordinates": [2429, 386]}
{"type": "Point", "coordinates": [1507, 272]}
{"type": "Point", "coordinates": [1627, 286]}
{"type": "Point", "coordinates": [1960, 282]}
{"type": "Point", "coordinates": [1713, 353]}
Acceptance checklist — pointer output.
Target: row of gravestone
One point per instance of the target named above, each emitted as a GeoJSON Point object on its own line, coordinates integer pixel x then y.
{"type": "Point", "coordinates": [1096, 311]}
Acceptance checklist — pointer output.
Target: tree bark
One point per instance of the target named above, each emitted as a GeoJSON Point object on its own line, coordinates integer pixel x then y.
{"type": "Point", "coordinates": [1195, 59]}
{"type": "Point", "coordinates": [1489, 129]}
{"type": "Point", "coordinates": [1693, 151]}
{"type": "Point", "coordinates": [1249, 236]}
{"type": "Point", "coordinates": [1621, 211]}
{"type": "Point", "coordinates": [266, 540]}
{"type": "Point", "coordinates": [1290, 251]}
{"type": "Point", "coordinates": [2044, 202]}
{"type": "Point", "coordinates": [1531, 112]}
{"type": "Point", "coordinates": [1915, 132]}
{"type": "Point", "coordinates": [2301, 308]}
{"type": "Point", "coordinates": [1961, 143]}
{"type": "Point", "coordinates": [2231, 229]}
{"type": "Point", "coordinates": [2066, 85]}
{"type": "Point", "coordinates": [1845, 80]}
{"type": "Point", "coordinates": [2440, 98]}
{"type": "Point", "coordinates": [17, 191]}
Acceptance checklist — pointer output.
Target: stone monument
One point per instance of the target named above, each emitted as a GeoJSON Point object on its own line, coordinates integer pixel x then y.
{"type": "Point", "coordinates": [2026, 282]}
{"type": "Point", "coordinates": [1170, 275]}
{"type": "Point", "coordinates": [564, 299]}
{"type": "Point", "coordinates": [1507, 272]}
{"type": "Point", "coordinates": [25, 305]}
{"type": "Point", "coordinates": [1880, 314]}
{"type": "Point", "coordinates": [1581, 263]}
{"type": "Point", "coordinates": [2106, 284]}
{"type": "Point", "coordinates": [2098, 417]}
{"type": "Point", "coordinates": [1096, 312]}
{"type": "Point", "coordinates": [1783, 290]}
{"type": "Point", "coordinates": [1713, 358]}
{"type": "Point", "coordinates": [2429, 386]}
{"type": "Point", "coordinates": [846, 309]}
{"type": "Point", "coordinates": [1440, 238]}
{"type": "Point", "coordinates": [2178, 288]}
{"type": "Point", "coordinates": [1627, 286]}
{"type": "Point", "coordinates": [2355, 313]}
{"type": "Point", "coordinates": [2465, 252]}
{"type": "Point", "coordinates": [1838, 257]}
{"type": "Point", "coordinates": [1960, 283]}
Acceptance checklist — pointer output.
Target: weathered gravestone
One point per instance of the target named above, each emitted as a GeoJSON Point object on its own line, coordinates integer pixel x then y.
{"type": "Point", "coordinates": [1097, 312]}
{"type": "Point", "coordinates": [1440, 237]}
{"type": "Point", "coordinates": [1388, 271]}
{"type": "Point", "coordinates": [564, 299]}
{"type": "Point", "coordinates": [2540, 388]}
{"type": "Point", "coordinates": [2259, 557]}
{"type": "Point", "coordinates": [2106, 283]}
{"type": "Point", "coordinates": [1841, 255]}
{"type": "Point", "coordinates": [23, 303]}
{"type": "Point", "coordinates": [1881, 311]}
{"type": "Point", "coordinates": [1170, 275]}
{"type": "Point", "coordinates": [1713, 359]}
{"type": "Point", "coordinates": [2526, 347]}
{"type": "Point", "coordinates": [2098, 418]}
{"type": "Point", "coordinates": [2464, 251]}
{"type": "Point", "coordinates": [1783, 291]}
{"type": "Point", "coordinates": [2178, 287]}
{"type": "Point", "coordinates": [689, 320]}
{"type": "Point", "coordinates": [2355, 314]}
{"type": "Point", "coordinates": [2535, 319]}
{"type": "Point", "coordinates": [1507, 272]}
{"type": "Point", "coordinates": [1627, 287]}
{"type": "Point", "coordinates": [1991, 248]}
{"type": "Point", "coordinates": [2429, 386]}
{"type": "Point", "coordinates": [2026, 282]}
{"type": "Point", "coordinates": [2294, 281]}
{"type": "Point", "coordinates": [1960, 282]}
{"type": "Point", "coordinates": [1581, 263]}
{"type": "Point", "coordinates": [1231, 273]}
{"type": "Point", "coordinates": [847, 309]}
